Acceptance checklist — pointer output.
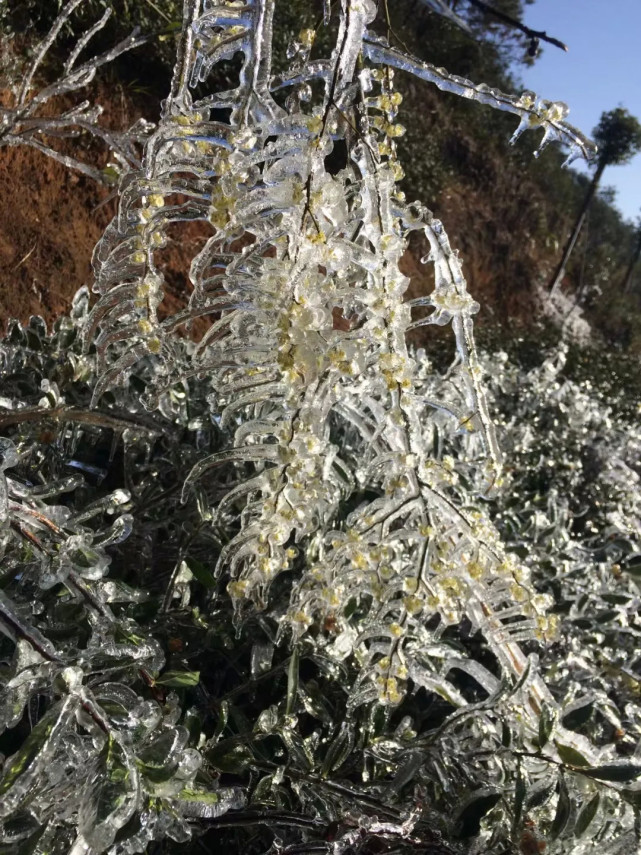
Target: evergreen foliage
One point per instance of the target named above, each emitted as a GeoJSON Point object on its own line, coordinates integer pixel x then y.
{"type": "Point", "coordinates": [618, 136]}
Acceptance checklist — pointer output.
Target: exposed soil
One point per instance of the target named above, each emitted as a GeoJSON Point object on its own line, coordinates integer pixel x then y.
{"type": "Point", "coordinates": [51, 218]}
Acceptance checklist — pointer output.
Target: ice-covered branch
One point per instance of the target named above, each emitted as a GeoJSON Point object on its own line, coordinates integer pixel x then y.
{"type": "Point", "coordinates": [532, 111]}
{"type": "Point", "coordinates": [24, 124]}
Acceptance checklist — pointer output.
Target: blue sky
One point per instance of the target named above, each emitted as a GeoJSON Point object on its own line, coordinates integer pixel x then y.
{"type": "Point", "coordinates": [601, 70]}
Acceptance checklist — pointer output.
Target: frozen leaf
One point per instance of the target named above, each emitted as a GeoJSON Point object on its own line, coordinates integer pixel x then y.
{"type": "Point", "coordinates": [540, 793]}
{"type": "Point", "coordinates": [578, 713]}
{"type": "Point", "coordinates": [179, 679]}
{"type": "Point", "coordinates": [159, 759]}
{"type": "Point", "coordinates": [571, 756]}
{"type": "Point", "coordinates": [22, 771]}
{"type": "Point", "coordinates": [586, 815]}
{"type": "Point", "coordinates": [262, 655]}
{"type": "Point", "coordinates": [111, 797]}
{"type": "Point", "coordinates": [339, 749]}
{"type": "Point", "coordinates": [519, 797]}
{"type": "Point", "coordinates": [230, 757]}
{"type": "Point", "coordinates": [209, 804]}
{"type": "Point", "coordinates": [632, 566]}
{"type": "Point", "coordinates": [292, 681]}
{"type": "Point", "coordinates": [546, 724]}
{"type": "Point", "coordinates": [619, 772]}
{"type": "Point", "coordinates": [563, 810]}
{"type": "Point", "coordinates": [476, 806]}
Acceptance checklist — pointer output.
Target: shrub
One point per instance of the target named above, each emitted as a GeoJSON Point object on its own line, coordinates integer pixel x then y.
{"type": "Point", "coordinates": [252, 590]}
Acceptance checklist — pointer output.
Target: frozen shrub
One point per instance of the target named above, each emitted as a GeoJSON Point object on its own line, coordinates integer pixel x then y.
{"type": "Point", "coordinates": [252, 587]}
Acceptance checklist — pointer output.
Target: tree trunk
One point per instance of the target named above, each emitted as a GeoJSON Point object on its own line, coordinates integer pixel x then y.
{"type": "Point", "coordinates": [627, 279]}
{"type": "Point", "coordinates": [559, 273]}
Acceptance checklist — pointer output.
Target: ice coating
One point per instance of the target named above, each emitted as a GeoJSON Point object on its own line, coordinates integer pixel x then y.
{"type": "Point", "coordinates": [316, 244]}
{"type": "Point", "coordinates": [329, 442]}
{"type": "Point", "coordinates": [532, 111]}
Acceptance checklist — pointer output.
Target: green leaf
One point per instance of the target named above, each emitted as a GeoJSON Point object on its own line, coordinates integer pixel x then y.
{"type": "Point", "coordinates": [526, 673]}
{"type": "Point", "coordinates": [616, 599]}
{"type": "Point", "coordinates": [378, 720]}
{"type": "Point", "coordinates": [201, 573]}
{"type": "Point", "coordinates": [606, 616]}
{"type": "Point", "coordinates": [179, 679]}
{"type": "Point", "coordinates": [221, 723]}
{"type": "Point", "coordinates": [633, 797]}
{"type": "Point", "coordinates": [563, 811]}
{"type": "Point", "coordinates": [614, 772]}
{"type": "Point", "coordinates": [570, 756]}
{"type": "Point", "coordinates": [574, 718]}
{"type": "Point", "coordinates": [350, 608]}
{"type": "Point", "coordinates": [111, 173]}
{"type": "Point", "coordinates": [539, 794]}
{"type": "Point", "coordinates": [109, 804]}
{"type": "Point", "coordinates": [623, 544]}
{"type": "Point", "coordinates": [29, 846]}
{"type": "Point", "coordinates": [479, 804]}
{"type": "Point", "coordinates": [27, 756]}
{"type": "Point", "coordinates": [586, 815]}
{"type": "Point", "coordinates": [192, 722]}
{"type": "Point", "coordinates": [546, 724]}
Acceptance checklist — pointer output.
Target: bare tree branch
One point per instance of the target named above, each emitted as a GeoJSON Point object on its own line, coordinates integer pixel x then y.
{"type": "Point", "coordinates": [533, 35]}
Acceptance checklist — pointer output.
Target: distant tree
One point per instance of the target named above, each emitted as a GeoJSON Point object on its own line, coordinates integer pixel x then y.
{"type": "Point", "coordinates": [618, 136]}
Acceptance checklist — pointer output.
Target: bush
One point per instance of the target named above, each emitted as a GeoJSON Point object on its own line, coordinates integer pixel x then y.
{"type": "Point", "coordinates": [265, 583]}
